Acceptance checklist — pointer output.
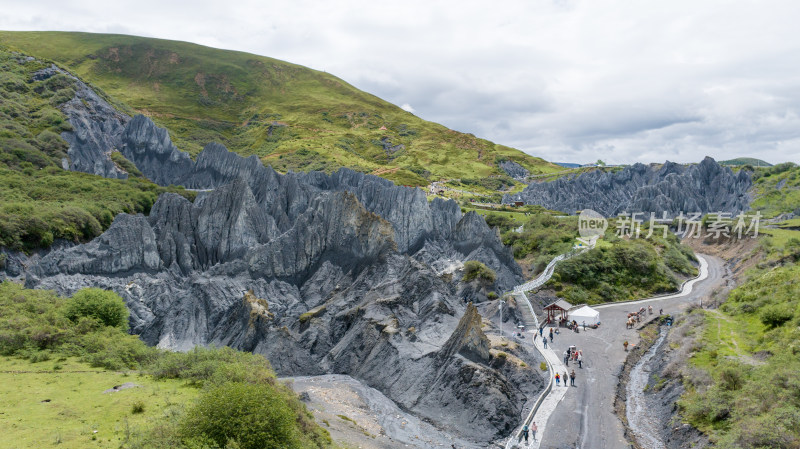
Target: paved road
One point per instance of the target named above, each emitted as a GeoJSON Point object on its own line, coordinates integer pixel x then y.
{"type": "Point", "coordinates": [585, 418]}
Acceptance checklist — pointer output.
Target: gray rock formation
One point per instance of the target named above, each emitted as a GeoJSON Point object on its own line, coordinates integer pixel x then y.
{"type": "Point", "coordinates": [331, 294]}
{"type": "Point", "coordinates": [320, 273]}
{"type": "Point", "coordinates": [45, 73]}
{"type": "Point", "coordinates": [283, 197]}
{"type": "Point", "coordinates": [672, 188]}
{"type": "Point", "coordinates": [389, 147]}
{"type": "Point", "coordinates": [96, 128]}
{"type": "Point", "coordinates": [514, 170]}
{"type": "Point", "coordinates": [151, 150]}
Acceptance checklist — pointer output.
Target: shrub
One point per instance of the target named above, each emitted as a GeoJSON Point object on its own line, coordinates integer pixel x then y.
{"type": "Point", "coordinates": [39, 356]}
{"type": "Point", "coordinates": [776, 315]}
{"type": "Point", "coordinates": [102, 305]}
{"type": "Point", "coordinates": [476, 270]}
{"type": "Point", "coordinates": [252, 416]}
{"type": "Point", "coordinates": [213, 366]}
{"type": "Point", "coordinates": [111, 349]}
{"type": "Point", "coordinates": [137, 407]}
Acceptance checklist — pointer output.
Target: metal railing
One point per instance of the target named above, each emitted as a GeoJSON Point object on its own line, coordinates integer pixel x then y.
{"type": "Point", "coordinates": [515, 437]}
{"type": "Point", "coordinates": [520, 291]}
{"type": "Point", "coordinates": [546, 274]}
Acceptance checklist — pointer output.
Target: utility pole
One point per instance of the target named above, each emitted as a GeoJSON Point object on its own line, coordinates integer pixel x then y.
{"type": "Point", "coordinates": [502, 303]}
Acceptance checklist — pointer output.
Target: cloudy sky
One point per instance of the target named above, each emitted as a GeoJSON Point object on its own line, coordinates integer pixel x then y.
{"type": "Point", "coordinates": [574, 81]}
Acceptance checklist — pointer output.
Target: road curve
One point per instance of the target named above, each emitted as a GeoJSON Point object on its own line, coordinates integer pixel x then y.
{"type": "Point", "coordinates": [585, 417]}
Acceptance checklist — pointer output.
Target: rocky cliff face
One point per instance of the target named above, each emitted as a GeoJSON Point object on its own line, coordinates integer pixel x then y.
{"type": "Point", "coordinates": [320, 273]}
{"type": "Point", "coordinates": [151, 150]}
{"type": "Point", "coordinates": [331, 294]}
{"type": "Point", "coordinates": [96, 128]}
{"type": "Point", "coordinates": [514, 170]}
{"type": "Point", "coordinates": [672, 188]}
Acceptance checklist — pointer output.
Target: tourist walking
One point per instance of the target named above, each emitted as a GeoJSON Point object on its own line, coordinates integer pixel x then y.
{"type": "Point", "coordinates": [558, 378]}
{"type": "Point", "coordinates": [566, 378]}
{"type": "Point", "coordinates": [544, 342]}
{"type": "Point", "coordinates": [566, 358]}
{"type": "Point", "coordinates": [572, 378]}
{"type": "Point", "coordinates": [534, 428]}
{"type": "Point", "coordinates": [525, 432]}
{"type": "Point", "coordinates": [580, 359]}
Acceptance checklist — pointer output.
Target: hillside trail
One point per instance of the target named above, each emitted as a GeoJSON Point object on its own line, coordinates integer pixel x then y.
{"type": "Point", "coordinates": [733, 345]}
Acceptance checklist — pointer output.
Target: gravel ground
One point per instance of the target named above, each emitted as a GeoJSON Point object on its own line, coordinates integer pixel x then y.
{"type": "Point", "coordinates": [362, 417]}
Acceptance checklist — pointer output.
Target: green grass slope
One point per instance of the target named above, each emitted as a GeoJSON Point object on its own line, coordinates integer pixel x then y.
{"type": "Point", "coordinates": [777, 190]}
{"type": "Point", "coordinates": [292, 117]}
{"type": "Point", "coordinates": [39, 201]}
{"type": "Point", "coordinates": [746, 161]}
{"type": "Point", "coordinates": [744, 391]}
{"type": "Point", "coordinates": [58, 356]}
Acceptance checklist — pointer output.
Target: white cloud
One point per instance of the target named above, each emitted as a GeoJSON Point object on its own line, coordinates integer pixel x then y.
{"type": "Point", "coordinates": [568, 80]}
{"type": "Point", "coordinates": [407, 107]}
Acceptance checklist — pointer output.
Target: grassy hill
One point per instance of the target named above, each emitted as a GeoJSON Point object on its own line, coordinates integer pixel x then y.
{"type": "Point", "coordinates": [741, 384]}
{"type": "Point", "coordinates": [39, 201]}
{"type": "Point", "coordinates": [292, 117]}
{"type": "Point", "coordinates": [777, 190]}
{"type": "Point", "coordinates": [746, 161]}
{"type": "Point", "coordinates": [59, 357]}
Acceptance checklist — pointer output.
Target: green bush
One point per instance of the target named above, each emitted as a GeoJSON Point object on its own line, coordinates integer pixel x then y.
{"type": "Point", "coordinates": [214, 366]}
{"type": "Point", "coordinates": [103, 305]}
{"type": "Point", "coordinates": [753, 400]}
{"type": "Point", "coordinates": [503, 222]}
{"type": "Point", "coordinates": [476, 270]}
{"type": "Point", "coordinates": [543, 235]}
{"type": "Point", "coordinates": [776, 315]}
{"type": "Point", "coordinates": [112, 349]}
{"type": "Point", "coordinates": [252, 416]}
{"type": "Point", "coordinates": [628, 269]}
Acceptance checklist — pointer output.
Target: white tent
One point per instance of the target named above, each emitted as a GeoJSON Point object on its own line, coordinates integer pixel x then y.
{"type": "Point", "coordinates": [585, 314]}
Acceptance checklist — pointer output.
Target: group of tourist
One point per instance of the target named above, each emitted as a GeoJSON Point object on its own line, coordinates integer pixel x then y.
{"type": "Point", "coordinates": [574, 355]}
{"type": "Point", "coordinates": [544, 339]}
{"type": "Point", "coordinates": [529, 430]}
{"type": "Point", "coordinates": [569, 379]}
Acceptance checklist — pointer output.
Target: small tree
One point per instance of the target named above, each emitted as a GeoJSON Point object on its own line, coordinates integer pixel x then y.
{"type": "Point", "coordinates": [249, 416]}
{"type": "Point", "coordinates": [776, 315]}
{"type": "Point", "coordinates": [476, 270]}
{"type": "Point", "coordinates": [103, 305]}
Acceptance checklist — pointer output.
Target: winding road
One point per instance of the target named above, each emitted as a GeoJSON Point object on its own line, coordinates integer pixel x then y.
{"type": "Point", "coordinates": [583, 416]}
